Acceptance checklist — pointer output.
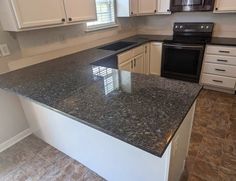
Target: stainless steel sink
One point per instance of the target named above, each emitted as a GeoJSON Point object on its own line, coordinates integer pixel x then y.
{"type": "Point", "coordinates": [117, 46]}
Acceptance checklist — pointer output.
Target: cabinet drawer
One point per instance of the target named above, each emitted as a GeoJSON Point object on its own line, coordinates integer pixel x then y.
{"type": "Point", "coordinates": [138, 50]}
{"type": "Point", "coordinates": [219, 81]}
{"type": "Point", "coordinates": [220, 59]}
{"type": "Point", "coordinates": [123, 57]}
{"type": "Point", "coordinates": [221, 50]}
{"type": "Point", "coordinates": [130, 54]}
{"type": "Point", "coordinates": [217, 69]}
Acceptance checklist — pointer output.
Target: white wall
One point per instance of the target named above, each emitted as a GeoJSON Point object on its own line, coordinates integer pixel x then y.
{"type": "Point", "coordinates": [225, 24]}
{"type": "Point", "coordinates": [12, 119]}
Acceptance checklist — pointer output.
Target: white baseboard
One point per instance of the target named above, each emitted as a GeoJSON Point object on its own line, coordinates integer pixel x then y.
{"type": "Point", "coordinates": [7, 144]}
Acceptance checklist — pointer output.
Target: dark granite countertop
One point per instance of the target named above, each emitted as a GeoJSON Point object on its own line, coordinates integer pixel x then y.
{"type": "Point", "coordinates": [223, 41]}
{"type": "Point", "coordinates": [142, 110]}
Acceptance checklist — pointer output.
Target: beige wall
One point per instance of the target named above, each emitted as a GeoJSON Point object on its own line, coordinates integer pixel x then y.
{"type": "Point", "coordinates": [225, 24]}
{"type": "Point", "coordinates": [41, 41]}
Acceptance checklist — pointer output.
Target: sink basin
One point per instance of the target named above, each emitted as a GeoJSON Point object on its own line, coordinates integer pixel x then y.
{"type": "Point", "coordinates": [117, 46]}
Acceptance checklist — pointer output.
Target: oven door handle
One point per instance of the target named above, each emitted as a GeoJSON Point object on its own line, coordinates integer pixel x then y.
{"type": "Point", "coordinates": [184, 46]}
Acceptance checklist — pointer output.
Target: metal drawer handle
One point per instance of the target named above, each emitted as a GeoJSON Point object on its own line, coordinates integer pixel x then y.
{"type": "Point", "coordinates": [134, 62]}
{"type": "Point", "coordinates": [219, 81]}
{"type": "Point", "coordinates": [220, 60]}
{"type": "Point", "coordinates": [222, 51]}
{"type": "Point", "coordinates": [221, 70]}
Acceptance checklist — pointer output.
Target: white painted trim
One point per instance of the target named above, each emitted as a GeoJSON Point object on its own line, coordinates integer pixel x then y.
{"type": "Point", "coordinates": [7, 144]}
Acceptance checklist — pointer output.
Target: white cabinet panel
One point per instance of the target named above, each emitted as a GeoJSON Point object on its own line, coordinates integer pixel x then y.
{"type": "Point", "coordinates": [218, 81]}
{"type": "Point", "coordinates": [217, 69]}
{"type": "Point", "coordinates": [80, 10]}
{"type": "Point", "coordinates": [138, 66]}
{"type": "Point", "coordinates": [225, 6]}
{"type": "Point", "coordinates": [134, 7]}
{"type": "Point", "coordinates": [163, 7]}
{"type": "Point", "coordinates": [227, 60]}
{"type": "Point", "coordinates": [127, 66]}
{"type": "Point", "coordinates": [147, 7]}
{"type": "Point", "coordinates": [38, 13]}
{"type": "Point", "coordinates": [155, 58]}
{"type": "Point", "coordinates": [221, 50]}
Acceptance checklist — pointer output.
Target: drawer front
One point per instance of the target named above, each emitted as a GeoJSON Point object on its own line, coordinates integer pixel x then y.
{"type": "Point", "coordinates": [221, 50]}
{"type": "Point", "coordinates": [139, 50]}
{"type": "Point", "coordinates": [227, 60]}
{"type": "Point", "coordinates": [217, 69]}
{"type": "Point", "coordinates": [123, 57]}
{"type": "Point", "coordinates": [219, 81]}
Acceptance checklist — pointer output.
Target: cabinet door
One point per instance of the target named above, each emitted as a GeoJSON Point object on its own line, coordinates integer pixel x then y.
{"type": "Point", "coordinates": [147, 7]}
{"type": "Point", "coordinates": [127, 66]}
{"type": "Point", "coordinates": [134, 7]}
{"type": "Point", "coordinates": [155, 58]}
{"type": "Point", "coordinates": [138, 66]}
{"type": "Point", "coordinates": [163, 7]}
{"type": "Point", "coordinates": [147, 59]}
{"type": "Point", "coordinates": [225, 6]}
{"type": "Point", "coordinates": [31, 13]}
{"type": "Point", "coordinates": [80, 10]}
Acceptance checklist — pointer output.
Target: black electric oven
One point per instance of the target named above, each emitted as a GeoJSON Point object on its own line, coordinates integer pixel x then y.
{"type": "Point", "coordinates": [191, 5]}
{"type": "Point", "coordinates": [182, 61]}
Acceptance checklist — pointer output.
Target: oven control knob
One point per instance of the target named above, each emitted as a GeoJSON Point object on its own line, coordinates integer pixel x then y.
{"type": "Point", "coordinates": [176, 27]}
{"type": "Point", "coordinates": [207, 27]}
{"type": "Point", "coordinates": [181, 27]}
{"type": "Point", "coordinates": [202, 27]}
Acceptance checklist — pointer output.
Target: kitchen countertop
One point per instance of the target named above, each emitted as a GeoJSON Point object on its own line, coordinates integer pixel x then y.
{"type": "Point", "coordinates": [142, 110]}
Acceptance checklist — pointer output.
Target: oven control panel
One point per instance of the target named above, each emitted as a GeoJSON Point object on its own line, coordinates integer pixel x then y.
{"type": "Point", "coordinates": [194, 27]}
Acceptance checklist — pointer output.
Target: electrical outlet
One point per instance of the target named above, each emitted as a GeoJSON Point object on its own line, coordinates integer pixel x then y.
{"type": "Point", "coordinates": [4, 50]}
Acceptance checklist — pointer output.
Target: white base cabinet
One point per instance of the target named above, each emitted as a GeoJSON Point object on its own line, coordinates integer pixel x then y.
{"type": "Point", "coordinates": [133, 60]}
{"type": "Point", "coordinates": [155, 58]}
{"type": "Point", "coordinates": [22, 15]}
{"type": "Point", "coordinates": [219, 68]}
{"type": "Point", "coordinates": [109, 157]}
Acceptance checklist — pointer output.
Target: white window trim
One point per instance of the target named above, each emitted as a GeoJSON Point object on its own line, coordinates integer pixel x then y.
{"type": "Point", "coordinates": [103, 26]}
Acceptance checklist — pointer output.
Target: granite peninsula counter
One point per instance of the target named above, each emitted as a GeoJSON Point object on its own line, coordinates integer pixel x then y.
{"type": "Point", "coordinates": [143, 111]}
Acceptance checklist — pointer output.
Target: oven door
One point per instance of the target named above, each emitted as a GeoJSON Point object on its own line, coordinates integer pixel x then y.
{"type": "Point", "coordinates": [192, 5]}
{"type": "Point", "coordinates": [182, 61]}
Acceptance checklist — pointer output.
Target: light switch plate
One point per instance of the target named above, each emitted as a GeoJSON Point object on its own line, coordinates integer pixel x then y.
{"type": "Point", "coordinates": [4, 50]}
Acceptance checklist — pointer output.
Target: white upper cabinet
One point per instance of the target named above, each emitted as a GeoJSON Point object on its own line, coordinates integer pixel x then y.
{"type": "Point", "coordinates": [127, 8]}
{"type": "Point", "coordinates": [134, 7]}
{"type": "Point", "coordinates": [21, 15]}
{"type": "Point", "coordinates": [38, 13]}
{"type": "Point", "coordinates": [80, 10]}
{"type": "Point", "coordinates": [225, 6]}
{"type": "Point", "coordinates": [163, 7]}
{"type": "Point", "coordinates": [147, 7]}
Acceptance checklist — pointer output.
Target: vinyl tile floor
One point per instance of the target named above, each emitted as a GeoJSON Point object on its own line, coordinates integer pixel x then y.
{"type": "Point", "coordinates": [212, 152]}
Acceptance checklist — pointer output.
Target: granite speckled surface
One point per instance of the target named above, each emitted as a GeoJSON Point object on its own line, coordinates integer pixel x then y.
{"type": "Point", "coordinates": [144, 111]}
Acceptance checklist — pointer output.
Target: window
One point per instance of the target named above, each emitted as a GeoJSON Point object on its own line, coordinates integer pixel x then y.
{"type": "Point", "coordinates": [105, 15]}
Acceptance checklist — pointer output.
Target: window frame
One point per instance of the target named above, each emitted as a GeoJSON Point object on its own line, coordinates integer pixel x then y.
{"type": "Point", "coordinates": [104, 25]}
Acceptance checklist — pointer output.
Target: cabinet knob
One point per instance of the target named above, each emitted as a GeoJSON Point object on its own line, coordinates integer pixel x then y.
{"type": "Point", "coordinates": [168, 10]}
{"type": "Point", "coordinates": [132, 13]}
{"type": "Point", "coordinates": [70, 19]}
{"type": "Point", "coordinates": [216, 9]}
{"type": "Point", "coordinates": [63, 19]}
{"type": "Point", "coordinates": [155, 11]}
